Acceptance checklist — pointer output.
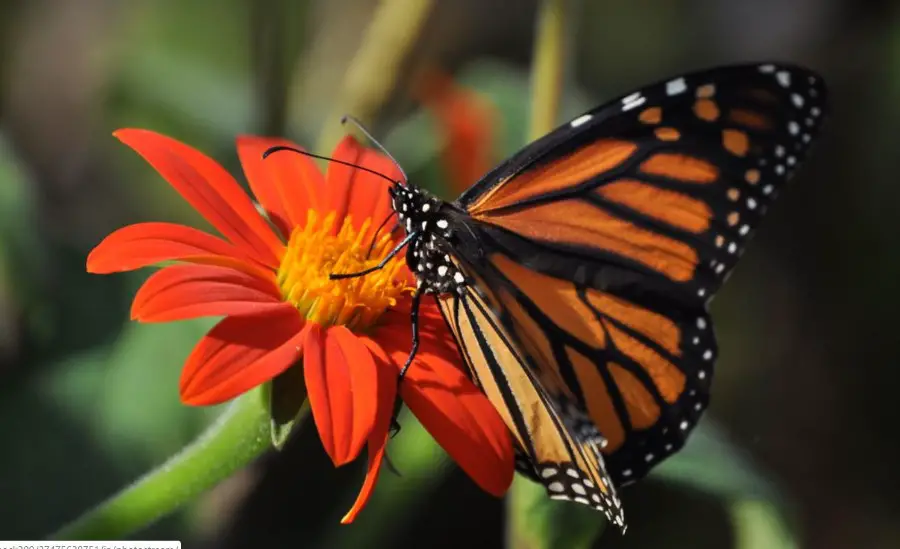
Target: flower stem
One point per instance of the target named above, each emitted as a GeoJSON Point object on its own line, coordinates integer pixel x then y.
{"type": "Point", "coordinates": [238, 436]}
{"type": "Point", "coordinates": [548, 66]}
{"type": "Point", "coordinates": [374, 70]}
{"type": "Point", "coordinates": [527, 507]}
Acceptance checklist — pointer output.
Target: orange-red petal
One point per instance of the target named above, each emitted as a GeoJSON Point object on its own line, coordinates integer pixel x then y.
{"type": "Point", "coordinates": [144, 244]}
{"type": "Point", "coordinates": [180, 292]}
{"type": "Point", "coordinates": [466, 120]}
{"type": "Point", "coordinates": [210, 189]}
{"type": "Point", "coordinates": [451, 407]}
{"type": "Point", "coordinates": [356, 192]}
{"type": "Point", "coordinates": [287, 184]}
{"type": "Point", "coordinates": [240, 353]}
{"type": "Point", "coordinates": [342, 384]}
{"type": "Point", "coordinates": [387, 393]}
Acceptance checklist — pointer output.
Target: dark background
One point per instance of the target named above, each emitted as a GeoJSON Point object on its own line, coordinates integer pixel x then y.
{"type": "Point", "coordinates": [807, 382]}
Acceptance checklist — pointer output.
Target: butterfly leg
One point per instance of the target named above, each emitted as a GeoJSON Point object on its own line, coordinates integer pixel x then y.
{"type": "Point", "coordinates": [381, 264]}
{"type": "Point", "coordinates": [414, 321]}
{"type": "Point", "coordinates": [378, 231]}
{"type": "Point", "coordinates": [395, 425]}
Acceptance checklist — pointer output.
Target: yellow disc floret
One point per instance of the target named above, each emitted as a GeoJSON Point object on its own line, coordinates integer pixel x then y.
{"type": "Point", "coordinates": [315, 251]}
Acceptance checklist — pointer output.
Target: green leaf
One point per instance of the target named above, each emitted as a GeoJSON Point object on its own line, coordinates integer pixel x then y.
{"type": "Point", "coordinates": [759, 525]}
{"type": "Point", "coordinates": [538, 522]}
{"type": "Point", "coordinates": [139, 373]}
{"type": "Point", "coordinates": [23, 256]}
{"type": "Point", "coordinates": [287, 404]}
{"type": "Point", "coordinates": [711, 463]}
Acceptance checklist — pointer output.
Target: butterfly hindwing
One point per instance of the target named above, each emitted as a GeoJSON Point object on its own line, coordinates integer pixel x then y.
{"type": "Point", "coordinates": [634, 376]}
{"type": "Point", "coordinates": [547, 451]}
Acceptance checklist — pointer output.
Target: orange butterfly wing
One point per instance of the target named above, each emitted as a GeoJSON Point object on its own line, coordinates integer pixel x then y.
{"type": "Point", "coordinates": [601, 244]}
{"type": "Point", "coordinates": [569, 466]}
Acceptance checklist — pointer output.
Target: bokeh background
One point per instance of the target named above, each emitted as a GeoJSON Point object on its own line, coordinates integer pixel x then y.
{"type": "Point", "coordinates": [800, 447]}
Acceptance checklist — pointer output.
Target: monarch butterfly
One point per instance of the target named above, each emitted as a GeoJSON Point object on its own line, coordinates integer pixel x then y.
{"type": "Point", "coordinates": [575, 276]}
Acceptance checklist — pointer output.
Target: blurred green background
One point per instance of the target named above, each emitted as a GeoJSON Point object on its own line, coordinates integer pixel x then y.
{"type": "Point", "coordinates": [799, 448]}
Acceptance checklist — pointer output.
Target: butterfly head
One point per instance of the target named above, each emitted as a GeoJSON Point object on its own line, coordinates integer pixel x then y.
{"type": "Point", "coordinates": [416, 208]}
{"type": "Point", "coordinates": [426, 218]}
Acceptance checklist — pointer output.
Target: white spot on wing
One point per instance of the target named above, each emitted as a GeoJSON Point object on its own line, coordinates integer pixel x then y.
{"type": "Point", "coordinates": [632, 101]}
{"type": "Point", "coordinates": [784, 78]}
{"type": "Point", "coordinates": [581, 120]}
{"type": "Point", "coordinates": [676, 86]}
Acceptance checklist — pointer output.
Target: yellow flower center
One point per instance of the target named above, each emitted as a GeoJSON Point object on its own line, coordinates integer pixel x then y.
{"type": "Point", "coordinates": [313, 253]}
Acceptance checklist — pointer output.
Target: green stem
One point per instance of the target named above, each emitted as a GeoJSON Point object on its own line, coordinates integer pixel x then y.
{"type": "Point", "coordinates": [374, 71]}
{"type": "Point", "coordinates": [548, 66]}
{"type": "Point", "coordinates": [527, 506]}
{"type": "Point", "coordinates": [238, 436]}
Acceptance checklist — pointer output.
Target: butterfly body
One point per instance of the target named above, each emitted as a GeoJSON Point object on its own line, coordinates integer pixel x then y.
{"type": "Point", "coordinates": [576, 275]}
{"type": "Point", "coordinates": [429, 256]}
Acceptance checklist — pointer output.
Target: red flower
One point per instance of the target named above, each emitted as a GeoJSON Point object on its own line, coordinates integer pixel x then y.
{"type": "Point", "coordinates": [467, 120]}
{"type": "Point", "coordinates": [272, 287]}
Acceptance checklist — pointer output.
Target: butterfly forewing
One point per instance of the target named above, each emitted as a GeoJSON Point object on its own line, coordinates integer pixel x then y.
{"type": "Point", "coordinates": [669, 182]}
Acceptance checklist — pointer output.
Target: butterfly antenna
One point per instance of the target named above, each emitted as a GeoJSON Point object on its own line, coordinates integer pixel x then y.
{"type": "Point", "coordinates": [348, 118]}
{"type": "Point", "coordinates": [278, 148]}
